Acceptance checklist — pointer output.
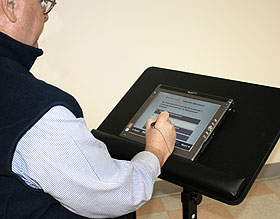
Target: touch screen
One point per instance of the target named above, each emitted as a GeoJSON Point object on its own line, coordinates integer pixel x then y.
{"type": "Point", "coordinates": [194, 117]}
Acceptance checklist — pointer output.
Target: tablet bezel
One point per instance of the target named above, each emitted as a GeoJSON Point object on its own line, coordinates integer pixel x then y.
{"type": "Point", "coordinates": [226, 105]}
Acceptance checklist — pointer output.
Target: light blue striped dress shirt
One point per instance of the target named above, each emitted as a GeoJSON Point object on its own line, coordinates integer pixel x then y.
{"type": "Point", "coordinates": [60, 156]}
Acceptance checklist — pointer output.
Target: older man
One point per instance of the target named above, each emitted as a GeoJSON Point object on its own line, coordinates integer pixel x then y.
{"type": "Point", "coordinates": [50, 164]}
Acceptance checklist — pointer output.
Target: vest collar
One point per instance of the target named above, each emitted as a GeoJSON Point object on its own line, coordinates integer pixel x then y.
{"type": "Point", "coordinates": [21, 53]}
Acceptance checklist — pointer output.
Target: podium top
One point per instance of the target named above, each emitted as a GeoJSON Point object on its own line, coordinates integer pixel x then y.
{"type": "Point", "coordinates": [232, 160]}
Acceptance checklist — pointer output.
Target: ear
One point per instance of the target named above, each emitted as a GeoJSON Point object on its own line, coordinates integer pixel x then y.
{"type": "Point", "coordinates": [8, 7]}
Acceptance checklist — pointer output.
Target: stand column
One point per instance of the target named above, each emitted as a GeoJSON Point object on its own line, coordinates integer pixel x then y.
{"type": "Point", "coordinates": [190, 201]}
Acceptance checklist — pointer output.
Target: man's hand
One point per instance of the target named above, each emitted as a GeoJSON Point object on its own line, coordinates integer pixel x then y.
{"type": "Point", "coordinates": [160, 139]}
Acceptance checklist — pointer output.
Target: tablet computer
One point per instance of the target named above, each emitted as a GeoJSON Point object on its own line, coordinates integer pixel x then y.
{"type": "Point", "coordinates": [194, 115]}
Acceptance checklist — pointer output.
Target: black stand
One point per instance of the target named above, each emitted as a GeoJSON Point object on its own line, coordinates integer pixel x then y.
{"type": "Point", "coordinates": [190, 201]}
{"type": "Point", "coordinates": [229, 165]}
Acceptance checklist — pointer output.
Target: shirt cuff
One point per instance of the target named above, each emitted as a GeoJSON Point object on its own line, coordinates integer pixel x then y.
{"type": "Point", "coordinates": [148, 159]}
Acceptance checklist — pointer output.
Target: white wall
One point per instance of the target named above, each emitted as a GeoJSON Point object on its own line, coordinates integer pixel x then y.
{"type": "Point", "coordinates": [97, 49]}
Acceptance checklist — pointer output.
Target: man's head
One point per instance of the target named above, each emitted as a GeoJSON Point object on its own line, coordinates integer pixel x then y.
{"type": "Point", "coordinates": [23, 20]}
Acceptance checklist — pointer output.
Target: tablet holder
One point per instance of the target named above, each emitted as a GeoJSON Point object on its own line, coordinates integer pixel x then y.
{"type": "Point", "coordinates": [229, 165]}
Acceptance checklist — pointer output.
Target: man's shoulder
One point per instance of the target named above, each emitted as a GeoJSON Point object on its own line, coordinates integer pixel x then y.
{"type": "Point", "coordinates": [19, 88]}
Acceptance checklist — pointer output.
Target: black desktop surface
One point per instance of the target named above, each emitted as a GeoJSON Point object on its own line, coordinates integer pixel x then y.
{"type": "Point", "coordinates": [229, 165]}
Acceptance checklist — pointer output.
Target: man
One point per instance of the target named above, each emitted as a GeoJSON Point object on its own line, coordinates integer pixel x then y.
{"type": "Point", "coordinates": [50, 164]}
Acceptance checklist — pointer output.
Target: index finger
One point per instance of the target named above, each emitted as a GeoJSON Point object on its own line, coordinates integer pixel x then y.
{"type": "Point", "coordinates": [163, 116]}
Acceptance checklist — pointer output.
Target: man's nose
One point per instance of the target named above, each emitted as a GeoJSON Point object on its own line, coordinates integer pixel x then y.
{"type": "Point", "coordinates": [46, 17]}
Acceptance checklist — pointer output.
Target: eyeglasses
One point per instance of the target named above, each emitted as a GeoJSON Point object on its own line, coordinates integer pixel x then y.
{"type": "Point", "coordinates": [47, 5]}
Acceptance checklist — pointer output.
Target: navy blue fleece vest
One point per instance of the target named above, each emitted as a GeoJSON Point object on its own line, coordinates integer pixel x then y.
{"type": "Point", "coordinates": [23, 101]}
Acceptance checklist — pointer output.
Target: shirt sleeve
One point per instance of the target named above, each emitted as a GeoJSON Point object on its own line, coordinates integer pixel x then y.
{"type": "Point", "coordinates": [60, 156]}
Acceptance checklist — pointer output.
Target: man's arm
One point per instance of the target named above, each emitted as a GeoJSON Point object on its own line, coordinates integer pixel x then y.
{"type": "Point", "coordinates": [60, 155]}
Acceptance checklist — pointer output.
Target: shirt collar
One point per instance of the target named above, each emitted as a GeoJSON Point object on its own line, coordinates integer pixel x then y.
{"type": "Point", "coordinates": [21, 53]}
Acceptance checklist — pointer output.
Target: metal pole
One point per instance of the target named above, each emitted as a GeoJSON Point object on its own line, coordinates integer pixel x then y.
{"type": "Point", "coordinates": [190, 201]}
